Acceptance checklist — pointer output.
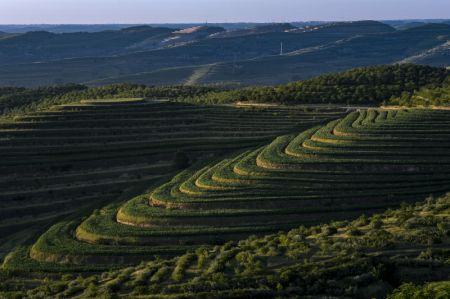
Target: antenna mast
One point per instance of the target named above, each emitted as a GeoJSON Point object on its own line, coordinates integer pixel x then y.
{"type": "Point", "coordinates": [281, 48]}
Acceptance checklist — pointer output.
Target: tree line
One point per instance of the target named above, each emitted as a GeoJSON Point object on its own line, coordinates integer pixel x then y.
{"type": "Point", "coordinates": [18, 100]}
{"type": "Point", "coordinates": [404, 84]}
{"type": "Point", "coordinates": [367, 85]}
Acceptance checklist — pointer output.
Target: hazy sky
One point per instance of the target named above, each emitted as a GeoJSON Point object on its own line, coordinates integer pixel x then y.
{"type": "Point", "coordinates": [173, 11]}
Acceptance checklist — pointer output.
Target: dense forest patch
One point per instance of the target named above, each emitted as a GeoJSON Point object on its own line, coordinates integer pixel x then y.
{"type": "Point", "coordinates": [361, 86]}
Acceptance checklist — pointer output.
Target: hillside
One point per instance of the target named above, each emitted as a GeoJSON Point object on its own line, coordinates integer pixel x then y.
{"type": "Point", "coordinates": [365, 258]}
{"type": "Point", "coordinates": [205, 51]}
{"type": "Point", "coordinates": [438, 56]}
{"type": "Point", "coordinates": [38, 46]}
{"type": "Point", "coordinates": [309, 61]}
{"type": "Point", "coordinates": [361, 86]}
{"type": "Point", "coordinates": [366, 162]}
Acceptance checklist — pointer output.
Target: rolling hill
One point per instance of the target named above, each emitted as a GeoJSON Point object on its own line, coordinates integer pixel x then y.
{"type": "Point", "coordinates": [423, 45]}
{"type": "Point", "coordinates": [204, 51]}
{"type": "Point", "coordinates": [438, 56]}
{"type": "Point", "coordinates": [38, 46]}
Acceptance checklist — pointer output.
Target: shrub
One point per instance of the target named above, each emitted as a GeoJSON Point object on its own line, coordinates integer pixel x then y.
{"type": "Point", "coordinates": [181, 266]}
{"type": "Point", "coordinates": [376, 222]}
{"type": "Point", "coordinates": [353, 231]}
{"type": "Point", "coordinates": [329, 230]}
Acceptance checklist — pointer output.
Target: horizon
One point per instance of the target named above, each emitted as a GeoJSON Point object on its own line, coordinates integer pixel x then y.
{"type": "Point", "coordinates": [237, 22]}
{"type": "Point", "coordinates": [98, 12]}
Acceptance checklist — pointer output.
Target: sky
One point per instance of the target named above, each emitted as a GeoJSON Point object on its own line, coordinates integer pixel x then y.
{"type": "Point", "coordinates": [191, 11]}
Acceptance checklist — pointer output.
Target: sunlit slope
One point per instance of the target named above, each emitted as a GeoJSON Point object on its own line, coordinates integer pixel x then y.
{"type": "Point", "coordinates": [56, 162]}
{"type": "Point", "coordinates": [365, 162]}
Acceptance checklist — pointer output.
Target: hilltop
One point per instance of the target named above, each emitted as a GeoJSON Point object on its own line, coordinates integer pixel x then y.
{"type": "Point", "coordinates": [270, 28]}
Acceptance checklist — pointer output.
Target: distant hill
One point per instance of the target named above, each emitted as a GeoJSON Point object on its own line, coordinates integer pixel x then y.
{"type": "Point", "coordinates": [357, 27]}
{"type": "Point", "coordinates": [256, 30]}
{"type": "Point", "coordinates": [70, 28]}
{"type": "Point", "coordinates": [213, 55]}
{"type": "Point", "coordinates": [409, 23]}
{"type": "Point", "coordinates": [189, 35]}
{"type": "Point", "coordinates": [365, 50]}
{"type": "Point", "coordinates": [37, 46]}
{"type": "Point", "coordinates": [235, 50]}
{"type": "Point", "coordinates": [438, 56]}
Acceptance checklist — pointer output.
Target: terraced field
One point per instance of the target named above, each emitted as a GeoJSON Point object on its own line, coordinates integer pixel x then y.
{"type": "Point", "coordinates": [365, 162]}
{"type": "Point", "coordinates": [81, 156]}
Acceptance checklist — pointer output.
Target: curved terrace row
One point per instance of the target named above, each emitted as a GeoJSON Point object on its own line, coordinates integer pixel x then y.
{"type": "Point", "coordinates": [368, 161]}
{"type": "Point", "coordinates": [72, 156]}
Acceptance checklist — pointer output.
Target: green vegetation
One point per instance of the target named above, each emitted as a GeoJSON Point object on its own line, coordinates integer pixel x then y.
{"type": "Point", "coordinates": [16, 101]}
{"type": "Point", "coordinates": [425, 97]}
{"type": "Point", "coordinates": [436, 290]}
{"type": "Point", "coordinates": [403, 84]}
{"type": "Point", "coordinates": [362, 86]}
{"type": "Point", "coordinates": [325, 261]}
